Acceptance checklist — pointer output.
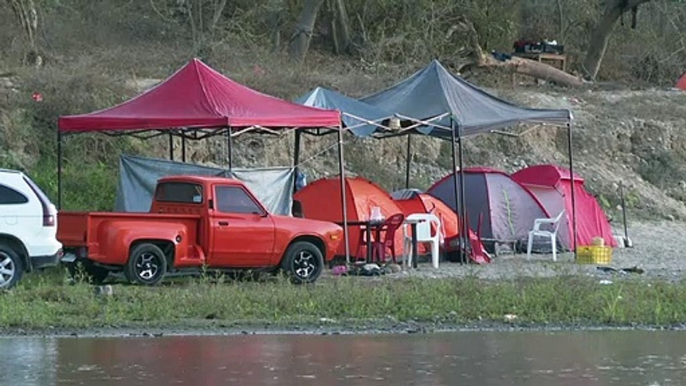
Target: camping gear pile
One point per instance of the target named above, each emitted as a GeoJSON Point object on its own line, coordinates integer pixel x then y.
{"type": "Point", "coordinates": [543, 46]}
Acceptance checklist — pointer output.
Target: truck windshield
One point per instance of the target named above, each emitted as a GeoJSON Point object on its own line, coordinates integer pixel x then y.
{"type": "Point", "coordinates": [183, 192]}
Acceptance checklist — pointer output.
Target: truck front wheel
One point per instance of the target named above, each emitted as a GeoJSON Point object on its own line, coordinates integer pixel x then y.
{"type": "Point", "coordinates": [303, 262]}
{"type": "Point", "coordinates": [147, 265]}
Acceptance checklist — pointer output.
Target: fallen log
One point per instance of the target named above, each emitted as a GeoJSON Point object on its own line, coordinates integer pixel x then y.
{"type": "Point", "coordinates": [474, 56]}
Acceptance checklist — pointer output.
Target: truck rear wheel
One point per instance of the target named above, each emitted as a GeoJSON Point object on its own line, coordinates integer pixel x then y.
{"type": "Point", "coordinates": [11, 267]}
{"type": "Point", "coordinates": [147, 265]}
{"type": "Point", "coordinates": [303, 262]}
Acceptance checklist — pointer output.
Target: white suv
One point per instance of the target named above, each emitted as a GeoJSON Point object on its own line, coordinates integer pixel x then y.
{"type": "Point", "coordinates": [28, 225]}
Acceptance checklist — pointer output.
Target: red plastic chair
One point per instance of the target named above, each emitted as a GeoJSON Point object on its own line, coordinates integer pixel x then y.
{"type": "Point", "coordinates": [379, 247]}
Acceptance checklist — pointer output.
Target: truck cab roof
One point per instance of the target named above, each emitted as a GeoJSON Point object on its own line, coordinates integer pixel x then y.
{"type": "Point", "coordinates": [201, 180]}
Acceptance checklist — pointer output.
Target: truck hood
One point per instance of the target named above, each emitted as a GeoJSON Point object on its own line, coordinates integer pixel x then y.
{"type": "Point", "coordinates": [307, 225]}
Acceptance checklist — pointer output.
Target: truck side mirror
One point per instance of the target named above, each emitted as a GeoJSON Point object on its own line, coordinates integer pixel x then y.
{"type": "Point", "coordinates": [210, 203]}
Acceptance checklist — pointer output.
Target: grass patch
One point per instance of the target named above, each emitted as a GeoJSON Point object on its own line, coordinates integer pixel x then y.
{"type": "Point", "coordinates": [48, 301]}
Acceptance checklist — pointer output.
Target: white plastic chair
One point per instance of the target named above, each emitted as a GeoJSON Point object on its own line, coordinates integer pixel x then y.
{"type": "Point", "coordinates": [424, 235]}
{"type": "Point", "coordinates": [538, 232]}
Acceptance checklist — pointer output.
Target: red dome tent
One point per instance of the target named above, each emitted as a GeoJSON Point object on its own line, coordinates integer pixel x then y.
{"type": "Point", "coordinates": [681, 83]}
{"type": "Point", "coordinates": [508, 209]}
{"type": "Point", "coordinates": [552, 185]}
{"type": "Point", "coordinates": [319, 201]}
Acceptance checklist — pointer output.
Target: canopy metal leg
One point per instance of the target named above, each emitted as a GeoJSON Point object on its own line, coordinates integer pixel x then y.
{"type": "Point", "coordinates": [458, 210]}
{"type": "Point", "coordinates": [59, 169]}
{"type": "Point", "coordinates": [171, 146]}
{"type": "Point", "coordinates": [408, 161]}
{"type": "Point", "coordinates": [463, 199]}
{"type": "Point", "coordinates": [570, 126]}
{"type": "Point", "coordinates": [229, 144]}
{"type": "Point", "coordinates": [341, 168]}
{"type": "Point", "coordinates": [183, 148]}
{"type": "Point", "coordinates": [296, 156]}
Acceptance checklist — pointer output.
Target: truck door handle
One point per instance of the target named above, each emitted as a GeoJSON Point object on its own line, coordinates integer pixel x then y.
{"type": "Point", "coordinates": [223, 223]}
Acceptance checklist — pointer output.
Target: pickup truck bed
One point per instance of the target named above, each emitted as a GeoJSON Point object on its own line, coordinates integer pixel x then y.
{"type": "Point", "coordinates": [102, 236]}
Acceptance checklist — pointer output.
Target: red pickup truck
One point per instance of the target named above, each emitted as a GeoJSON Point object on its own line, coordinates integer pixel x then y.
{"type": "Point", "coordinates": [197, 222]}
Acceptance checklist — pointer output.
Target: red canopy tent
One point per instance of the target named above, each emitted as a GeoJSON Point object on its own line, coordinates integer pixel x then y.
{"type": "Point", "coordinates": [194, 98]}
{"type": "Point", "coordinates": [197, 96]}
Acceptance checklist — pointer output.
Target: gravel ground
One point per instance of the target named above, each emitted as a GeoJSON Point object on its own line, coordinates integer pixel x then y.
{"type": "Point", "coordinates": [658, 250]}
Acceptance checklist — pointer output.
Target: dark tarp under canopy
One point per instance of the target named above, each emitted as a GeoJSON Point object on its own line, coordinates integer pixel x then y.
{"type": "Point", "coordinates": [433, 94]}
{"type": "Point", "coordinates": [361, 118]}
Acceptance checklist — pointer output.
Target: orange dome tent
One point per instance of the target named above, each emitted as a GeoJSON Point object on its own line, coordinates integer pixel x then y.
{"type": "Point", "coordinates": [320, 200]}
{"type": "Point", "coordinates": [417, 202]}
{"type": "Point", "coordinates": [424, 203]}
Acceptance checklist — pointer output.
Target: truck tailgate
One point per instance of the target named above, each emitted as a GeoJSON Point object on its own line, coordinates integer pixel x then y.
{"type": "Point", "coordinates": [72, 228]}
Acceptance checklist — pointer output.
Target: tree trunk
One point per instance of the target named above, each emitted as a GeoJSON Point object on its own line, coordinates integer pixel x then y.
{"type": "Point", "coordinates": [218, 12]}
{"type": "Point", "coordinates": [274, 21]}
{"type": "Point", "coordinates": [561, 21]}
{"type": "Point", "coordinates": [341, 28]}
{"type": "Point", "coordinates": [300, 41]}
{"type": "Point", "coordinates": [601, 35]}
{"type": "Point", "coordinates": [26, 13]}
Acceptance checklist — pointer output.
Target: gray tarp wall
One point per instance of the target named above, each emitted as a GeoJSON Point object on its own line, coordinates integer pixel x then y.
{"type": "Point", "coordinates": [138, 177]}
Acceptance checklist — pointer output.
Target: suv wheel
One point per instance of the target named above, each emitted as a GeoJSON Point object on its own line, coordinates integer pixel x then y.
{"type": "Point", "coordinates": [147, 265]}
{"type": "Point", "coordinates": [11, 267]}
{"type": "Point", "coordinates": [303, 262]}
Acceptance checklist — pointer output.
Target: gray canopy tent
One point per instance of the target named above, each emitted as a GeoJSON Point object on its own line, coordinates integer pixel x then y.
{"type": "Point", "coordinates": [360, 118]}
{"type": "Point", "coordinates": [441, 104]}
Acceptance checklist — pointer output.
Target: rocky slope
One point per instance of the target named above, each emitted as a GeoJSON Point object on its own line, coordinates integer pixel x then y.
{"type": "Point", "coordinates": [636, 138]}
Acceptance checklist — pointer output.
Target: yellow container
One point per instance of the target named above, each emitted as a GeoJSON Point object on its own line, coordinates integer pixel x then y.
{"type": "Point", "coordinates": [594, 254]}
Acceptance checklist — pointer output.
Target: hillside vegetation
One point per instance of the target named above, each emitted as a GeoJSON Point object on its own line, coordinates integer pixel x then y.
{"type": "Point", "coordinates": [96, 54]}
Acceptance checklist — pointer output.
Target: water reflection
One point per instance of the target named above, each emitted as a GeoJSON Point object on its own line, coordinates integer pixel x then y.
{"type": "Point", "coordinates": [27, 362]}
{"type": "Point", "coordinates": [512, 358]}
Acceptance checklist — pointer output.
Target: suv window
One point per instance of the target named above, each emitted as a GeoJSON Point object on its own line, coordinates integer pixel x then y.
{"type": "Point", "coordinates": [179, 192]}
{"type": "Point", "coordinates": [233, 199]}
{"type": "Point", "coordinates": [9, 196]}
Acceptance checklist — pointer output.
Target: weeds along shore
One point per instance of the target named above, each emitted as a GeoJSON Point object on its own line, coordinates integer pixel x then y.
{"type": "Point", "coordinates": [50, 301]}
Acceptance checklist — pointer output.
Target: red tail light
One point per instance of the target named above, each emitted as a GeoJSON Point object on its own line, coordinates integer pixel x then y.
{"type": "Point", "coordinates": [48, 220]}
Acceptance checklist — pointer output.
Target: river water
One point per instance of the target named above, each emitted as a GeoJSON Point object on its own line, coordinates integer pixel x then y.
{"type": "Point", "coordinates": [470, 358]}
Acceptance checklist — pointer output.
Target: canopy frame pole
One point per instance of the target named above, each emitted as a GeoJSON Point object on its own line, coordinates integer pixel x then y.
{"type": "Point", "coordinates": [296, 148]}
{"type": "Point", "coordinates": [456, 189]}
{"type": "Point", "coordinates": [296, 157]}
{"type": "Point", "coordinates": [341, 168]}
{"type": "Point", "coordinates": [621, 197]}
{"type": "Point", "coordinates": [59, 169]}
{"type": "Point", "coordinates": [570, 126]}
{"type": "Point", "coordinates": [229, 145]}
{"type": "Point", "coordinates": [171, 146]}
{"type": "Point", "coordinates": [183, 148]}
{"type": "Point", "coordinates": [463, 198]}
{"type": "Point", "coordinates": [408, 161]}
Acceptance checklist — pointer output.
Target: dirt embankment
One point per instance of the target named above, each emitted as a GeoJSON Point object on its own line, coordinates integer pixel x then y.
{"type": "Point", "coordinates": [632, 137]}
